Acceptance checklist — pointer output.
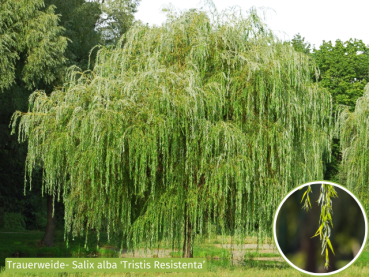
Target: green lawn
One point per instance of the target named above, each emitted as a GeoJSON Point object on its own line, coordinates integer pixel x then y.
{"type": "Point", "coordinates": [272, 272]}
{"type": "Point", "coordinates": [26, 245]}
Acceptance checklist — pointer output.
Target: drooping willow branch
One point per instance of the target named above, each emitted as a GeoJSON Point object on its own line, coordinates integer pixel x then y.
{"type": "Point", "coordinates": [352, 128]}
{"type": "Point", "coordinates": [307, 204]}
{"type": "Point", "coordinates": [327, 192]}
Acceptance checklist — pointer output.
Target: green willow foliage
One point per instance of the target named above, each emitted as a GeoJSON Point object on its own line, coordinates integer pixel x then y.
{"type": "Point", "coordinates": [352, 128]}
{"type": "Point", "coordinates": [327, 192]}
{"type": "Point", "coordinates": [207, 119]}
{"type": "Point", "coordinates": [27, 32]}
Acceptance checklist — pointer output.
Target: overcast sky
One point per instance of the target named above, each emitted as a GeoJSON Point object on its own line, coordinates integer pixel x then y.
{"type": "Point", "coordinates": [316, 20]}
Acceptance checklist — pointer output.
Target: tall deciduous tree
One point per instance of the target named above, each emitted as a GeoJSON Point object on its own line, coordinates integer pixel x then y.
{"type": "Point", "coordinates": [207, 119]}
{"type": "Point", "coordinates": [31, 55]}
{"type": "Point", "coordinates": [344, 69]}
{"type": "Point", "coordinates": [300, 45]}
{"type": "Point", "coordinates": [33, 37]}
{"type": "Point", "coordinates": [116, 19]}
{"type": "Point", "coordinates": [80, 19]}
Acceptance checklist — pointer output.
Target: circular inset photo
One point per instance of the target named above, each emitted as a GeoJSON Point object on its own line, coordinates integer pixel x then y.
{"type": "Point", "coordinates": [320, 228]}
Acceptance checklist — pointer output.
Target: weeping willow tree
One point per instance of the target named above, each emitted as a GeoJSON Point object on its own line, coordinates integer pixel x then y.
{"type": "Point", "coordinates": [205, 120]}
{"type": "Point", "coordinates": [353, 131]}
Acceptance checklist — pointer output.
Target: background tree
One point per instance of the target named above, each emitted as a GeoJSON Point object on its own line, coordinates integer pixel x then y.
{"type": "Point", "coordinates": [31, 54]}
{"type": "Point", "coordinates": [24, 37]}
{"type": "Point", "coordinates": [80, 19]}
{"type": "Point", "coordinates": [44, 55]}
{"type": "Point", "coordinates": [207, 119]}
{"type": "Point", "coordinates": [299, 44]}
{"type": "Point", "coordinates": [117, 18]}
{"type": "Point", "coordinates": [344, 69]}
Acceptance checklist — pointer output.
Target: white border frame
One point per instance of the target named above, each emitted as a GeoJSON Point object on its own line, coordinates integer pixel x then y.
{"type": "Point", "coordinates": [275, 233]}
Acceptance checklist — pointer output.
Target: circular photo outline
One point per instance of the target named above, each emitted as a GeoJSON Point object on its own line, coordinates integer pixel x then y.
{"type": "Point", "coordinates": [314, 183]}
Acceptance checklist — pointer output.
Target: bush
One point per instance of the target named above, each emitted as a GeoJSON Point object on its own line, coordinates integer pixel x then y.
{"type": "Point", "coordinates": [13, 222]}
{"type": "Point", "coordinates": [1, 218]}
{"type": "Point", "coordinates": [41, 219]}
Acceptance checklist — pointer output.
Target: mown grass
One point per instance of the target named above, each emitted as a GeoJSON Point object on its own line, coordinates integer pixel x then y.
{"type": "Point", "coordinates": [269, 272]}
{"type": "Point", "coordinates": [206, 251]}
{"type": "Point", "coordinates": [26, 244]}
{"type": "Point", "coordinates": [363, 260]}
{"type": "Point", "coordinates": [220, 263]}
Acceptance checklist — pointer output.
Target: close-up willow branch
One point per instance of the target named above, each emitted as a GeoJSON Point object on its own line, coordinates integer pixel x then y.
{"type": "Point", "coordinates": [208, 119]}
{"type": "Point", "coordinates": [327, 192]}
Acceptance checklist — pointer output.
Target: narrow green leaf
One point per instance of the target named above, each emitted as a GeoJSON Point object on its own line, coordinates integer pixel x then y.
{"type": "Point", "coordinates": [330, 246]}
{"type": "Point", "coordinates": [303, 197]}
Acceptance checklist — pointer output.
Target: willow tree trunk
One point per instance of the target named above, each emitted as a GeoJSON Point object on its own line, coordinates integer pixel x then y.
{"type": "Point", "coordinates": [48, 239]}
{"type": "Point", "coordinates": [187, 244]}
